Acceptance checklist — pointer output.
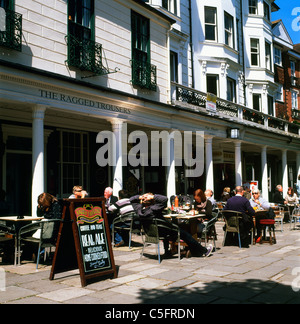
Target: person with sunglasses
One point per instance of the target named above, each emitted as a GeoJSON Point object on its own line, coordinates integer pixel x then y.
{"type": "Point", "coordinates": [78, 193]}
{"type": "Point", "coordinates": [257, 201]}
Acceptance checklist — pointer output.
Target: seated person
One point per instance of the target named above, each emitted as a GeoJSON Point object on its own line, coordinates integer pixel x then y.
{"type": "Point", "coordinates": [241, 204]}
{"type": "Point", "coordinates": [202, 205]}
{"type": "Point", "coordinates": [209, 195]}
{"type": "Point", "coordinates": [49, 206]}
{"type": "Point", "coordinates": [150, 206]}
{"type": "Point", "coordinates": [257, 201]}
{"type": "Point", "coordinates": [122, 207]}
{"type": "Point", "coordinates": [78, 193]}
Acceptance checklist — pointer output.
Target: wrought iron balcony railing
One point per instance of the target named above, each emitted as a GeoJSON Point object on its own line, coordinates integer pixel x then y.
{"type": "Point", "coordinates": [143, 75]}
{"type": "Point", "coordinates": [86, 55]}
{"type": "Point", "coordinates": [196, 101]}
{"type": "Point", "coordinates": [10, 29]}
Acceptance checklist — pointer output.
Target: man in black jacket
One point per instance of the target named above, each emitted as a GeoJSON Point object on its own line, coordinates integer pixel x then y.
{"type": "Point", "coordinates": [150, 206]}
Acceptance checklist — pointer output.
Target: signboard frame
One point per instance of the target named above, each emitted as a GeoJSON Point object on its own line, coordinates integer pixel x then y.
{"type": "Point", "coordinates": [84, 215]}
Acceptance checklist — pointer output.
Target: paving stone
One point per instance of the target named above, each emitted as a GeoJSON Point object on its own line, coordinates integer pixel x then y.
{"type": "Point", "coordinates": [65, 294]}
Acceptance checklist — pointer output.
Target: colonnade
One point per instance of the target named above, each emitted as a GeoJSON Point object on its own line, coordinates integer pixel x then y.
{"type": "Point", "coordinates": [38, 163]}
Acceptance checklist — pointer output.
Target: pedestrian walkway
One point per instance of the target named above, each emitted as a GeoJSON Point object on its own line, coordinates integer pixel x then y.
{"type": "Point", "coordinates": [258, 274]}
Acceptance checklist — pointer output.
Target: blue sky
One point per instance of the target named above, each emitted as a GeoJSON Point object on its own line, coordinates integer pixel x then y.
{"type": "Point", "coordinates": [289, 13]}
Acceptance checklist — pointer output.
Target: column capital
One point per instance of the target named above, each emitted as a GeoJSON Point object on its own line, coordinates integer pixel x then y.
{"type": "Point", "coordinates": [115, 123]}
{"type": "Point", "coordinates": [38, 111]}
{"type": "Point", "coordinates": [208, 138]}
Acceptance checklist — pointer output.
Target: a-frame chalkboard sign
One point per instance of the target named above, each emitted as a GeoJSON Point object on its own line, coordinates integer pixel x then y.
{"type": "Point", "coordinates": [84, 241]}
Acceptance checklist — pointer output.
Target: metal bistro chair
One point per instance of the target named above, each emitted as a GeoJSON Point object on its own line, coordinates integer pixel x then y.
{"type": "Point", "coordinates": [279, 216]}
{"type": "Point", "coordinates": [153, 232]}
{"type": "Point", "coordinates": [48, 235]}
{"type": "Point", "coordinates": [209, 231]}
{"type": "Point", "coordinates": [295, 216]}
{"type": "Point", "coordinates": [128, 222]}
{"type": "Point", "coordinates": [232, 223]}
{"type": "Point", "coordinates": [7, 237]}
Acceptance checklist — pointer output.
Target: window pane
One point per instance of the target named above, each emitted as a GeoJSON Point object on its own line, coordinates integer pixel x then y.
{"type": "Point", "coordinates": [256, 102]}
{"type": "Point", "coordinates": [210, 15]}
{"type": "Point", "coordinates": [212, 84]}
{"type": "Point", "coordinates": [210, 32]}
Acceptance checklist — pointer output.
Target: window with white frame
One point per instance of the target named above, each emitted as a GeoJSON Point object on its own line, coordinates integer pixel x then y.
{"type": "Point", "coordinates": [268, 56]}
{"type": "Point", "coordinates": [211, 23]}
{"type": "Point", "coordinates": [74, 161]}
{"type": "Point", "coordinates": [253, 7]}
{"type": "Point", "coordinates": [256, 97]}
{"type": "Point", "coordinates": [294, 99]}
{"type": "Point", "coordinates": [279, 93]}
{"type": "Point", "coordinates": [266, 11]}
{"type": "Point", "coordinates": [212, 84]}
{"type": "Point", "coordinates": [293, 73]}
{"type": "Point", "coordinates": [270, 105]}
{"type": "Point", "coordinates": [277, 56]}
{"type": "Point", "coordinates": [254, 48]}
{"type": "Point", "coordinates": [170, 5]}
{"type": "Point", "coordinates": [229, 35]}
{"type": "Point", "coordinates": [231, 90]}
{"type": "Point", "coordinates": [174, 66]}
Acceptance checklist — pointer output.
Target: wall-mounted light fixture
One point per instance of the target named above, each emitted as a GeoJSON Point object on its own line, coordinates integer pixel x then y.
{"type": "Point", "coordinates": [234, 133]}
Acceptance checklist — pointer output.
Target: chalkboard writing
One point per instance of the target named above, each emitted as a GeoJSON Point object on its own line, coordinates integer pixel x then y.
{"type": "Point", "coordinates": [93, 238]}
{"type": "Point", "coordinates": [84, 240]}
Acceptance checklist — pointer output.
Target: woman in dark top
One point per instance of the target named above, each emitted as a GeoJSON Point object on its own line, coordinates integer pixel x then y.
{"type": "Point", "coordinates": [49, 206]}
{"type": "Point", "coordinates": [203, 206]}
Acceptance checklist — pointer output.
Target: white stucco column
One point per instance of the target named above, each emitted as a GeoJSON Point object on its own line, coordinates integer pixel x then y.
{"type": "Point", "coordinates": [297, 165]}
{"type": "Point", "coordinates": [285, 181]}
{"type": "Point", "coordinates": [238, 163]}
{"type": "Point", "coordinates": [38, 185]}
{"type": "Point", "coordinates": [209, 163]}
{"type": "Point", "coordinates": [117, 153]}
{"type": "Point", "coordinates": [171, 179]}
{"type": "Point", "coordinates": [264, 172]}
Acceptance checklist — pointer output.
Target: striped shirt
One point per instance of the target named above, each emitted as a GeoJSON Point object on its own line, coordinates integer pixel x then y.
{"type": "Point", "coordinates": [121, 207]}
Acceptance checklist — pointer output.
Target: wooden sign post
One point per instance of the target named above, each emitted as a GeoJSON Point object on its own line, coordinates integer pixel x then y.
{"type": "Point", "coordinates": [84, 240]}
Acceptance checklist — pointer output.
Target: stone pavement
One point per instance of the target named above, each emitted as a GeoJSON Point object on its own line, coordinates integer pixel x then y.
{"type": "Point", "coordinates": [258, 274]}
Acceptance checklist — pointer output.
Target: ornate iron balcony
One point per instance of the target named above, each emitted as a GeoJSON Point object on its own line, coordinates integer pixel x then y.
{"type": "Point", "coordinates": [85, 55]}
{"type": "Point", "coordinates": [195, 100]}
{"type": "Point", "coordinates": [143, 75]}
{"type": "Point", "coordinates": [10, 29]}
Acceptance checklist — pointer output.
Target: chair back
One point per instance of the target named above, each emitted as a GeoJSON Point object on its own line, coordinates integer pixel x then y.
{"type": "Point", "coordinates": [128, 217]}
{"type": "Point", "coordinates": [155, 229]}
{"type": "Point", "coordinates": [49, 230]}
{"type": "Point", "coordinates": [296, 211]}
{"type": "Point", "coordinates": [232, 219]}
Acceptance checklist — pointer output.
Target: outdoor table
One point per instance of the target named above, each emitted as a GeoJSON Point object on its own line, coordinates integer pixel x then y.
{"type": "Point", "coordinates": [16, 223]}
{"type": "Point", "coordinates": [191, 221]}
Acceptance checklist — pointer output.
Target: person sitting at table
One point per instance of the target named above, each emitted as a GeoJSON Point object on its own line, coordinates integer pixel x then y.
{"type": "Point", "coordinates": [241, 204]}
{"type": "Point", "coordinates": [225, 194]}
{"type": "Point", "coordinates": [49, 206]}
{"type": "Point", "coordinates": [78, 193]}
{"type": "Point", "coordinates": [149, 206]}
{"type": "Point", "coordinates": [209, 195]}
{"type": "Point", "coordinates": [203, 206]}
{"type": "Point", "coordinates": [258, 202]}
{"type": "Point", "coordinates": [291, 199]}
{"type": "Point", "coordinates": [122, 207]}
{"type": "Point", "coordinates": [278, 196]}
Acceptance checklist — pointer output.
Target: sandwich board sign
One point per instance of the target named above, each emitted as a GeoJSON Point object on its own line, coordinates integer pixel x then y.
{"type": "Point", "coordinates": [84, 240]}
